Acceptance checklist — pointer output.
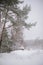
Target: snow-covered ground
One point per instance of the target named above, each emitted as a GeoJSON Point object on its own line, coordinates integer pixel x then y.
{"type": "Point", "coordinates": [22, 57]}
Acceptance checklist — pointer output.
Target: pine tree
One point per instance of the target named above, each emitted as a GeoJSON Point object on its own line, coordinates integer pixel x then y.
{"type": "Point", "coordinates": [8, 8]}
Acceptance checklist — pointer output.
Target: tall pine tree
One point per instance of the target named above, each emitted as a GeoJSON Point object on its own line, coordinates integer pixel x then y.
{"type": "Point", "coordinates": [9, 10]}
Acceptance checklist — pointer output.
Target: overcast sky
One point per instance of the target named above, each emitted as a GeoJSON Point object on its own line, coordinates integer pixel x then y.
{"type": "Point", "coordinates": [36, 14]}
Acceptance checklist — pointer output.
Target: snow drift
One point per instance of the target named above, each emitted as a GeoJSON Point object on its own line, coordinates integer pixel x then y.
{"type": "Point", "coordinates": [22, 57]}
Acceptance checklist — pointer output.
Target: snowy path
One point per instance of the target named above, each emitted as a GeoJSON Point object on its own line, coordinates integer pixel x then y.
{"type": "Point", "coordinates": [22, 57]}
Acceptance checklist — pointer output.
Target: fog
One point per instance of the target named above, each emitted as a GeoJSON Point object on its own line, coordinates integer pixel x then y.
{"type": "Point", "coordinates": [35, 15]}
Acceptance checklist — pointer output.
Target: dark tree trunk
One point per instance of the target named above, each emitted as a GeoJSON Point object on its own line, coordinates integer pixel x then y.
{"type": "Point", "coordinates": [1, 38]}
{"type": "Point", "coordinates": [0, 24]}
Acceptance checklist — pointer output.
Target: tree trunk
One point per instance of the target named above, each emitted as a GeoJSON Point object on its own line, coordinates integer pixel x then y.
{"type": "Point", "coordinates": [0, 24]}
{"type": "Point", "coordinates": [1, 38]}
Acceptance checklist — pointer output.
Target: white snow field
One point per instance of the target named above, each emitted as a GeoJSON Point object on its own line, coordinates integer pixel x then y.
{"type": "Point", "coordinates": [22, 57]}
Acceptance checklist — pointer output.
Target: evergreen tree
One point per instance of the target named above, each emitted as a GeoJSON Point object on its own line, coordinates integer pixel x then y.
{"type": "Point", "coordinates": [8, 9]}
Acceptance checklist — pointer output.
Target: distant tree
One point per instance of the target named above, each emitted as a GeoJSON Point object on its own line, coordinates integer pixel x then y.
{"type": "Point", "coordinates": [9, 8]}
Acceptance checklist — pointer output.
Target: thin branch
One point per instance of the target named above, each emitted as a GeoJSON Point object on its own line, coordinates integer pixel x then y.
{"type": "Point", "coordinates": [10, 26]}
